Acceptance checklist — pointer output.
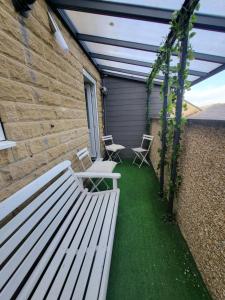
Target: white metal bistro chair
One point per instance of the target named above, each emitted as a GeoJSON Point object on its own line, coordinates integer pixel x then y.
{"type": "Point", "coordinates": [111, 148]}
{"type": "Point", "coordinates": [98, 166]}
{"type": "Point", "coordinates": [142, 152]}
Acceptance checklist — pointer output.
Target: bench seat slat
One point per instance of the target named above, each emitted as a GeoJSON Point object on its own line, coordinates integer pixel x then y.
{"type": "Point", "coordinates": [80, 205]}
{"type": "Point", "coordinates": [59, 211]}
{"type": "Point", "coordinates": [74, 251]}
{"type": "Point", "coordinates": [107, 236]}
{"type": "Point", "coordinates": [16, 279]}
{"type": "Point", "coordinates": [61, 251]}
{"type": "Point", "coordinates": [74, 272]}
{"type": "Point", "coordinates": [105, 275]}
{"type": "Point", "coordinates": [90, 256]}
{"type": "Point", "coordinates": [21, 217]}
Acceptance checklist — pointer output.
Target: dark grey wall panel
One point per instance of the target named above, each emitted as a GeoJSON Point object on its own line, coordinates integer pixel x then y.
{"type": "Point", "coordinates": [125, 112]}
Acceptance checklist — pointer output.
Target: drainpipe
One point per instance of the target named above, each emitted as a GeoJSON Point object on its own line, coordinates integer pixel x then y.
{"type": "Point", "coordinates": [104, 105]}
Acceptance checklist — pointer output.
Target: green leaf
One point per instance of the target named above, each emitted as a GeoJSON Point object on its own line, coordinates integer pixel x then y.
{"type": "Point", "coordinates": [192, 34]}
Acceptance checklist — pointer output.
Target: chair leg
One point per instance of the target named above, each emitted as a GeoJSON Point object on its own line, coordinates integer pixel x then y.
{"type": "Point", "coordinates": [95, 186]}
{"type": "Point", "coordinates": [135, 157]}
{"type": "Point", "coordinates": [106, 184]}
{"type": "Point", "coordinates": [144, 160]}
{"type": "Point", "coordinates": [117, 155]}
{"type": "Point", "coordinates": [138, 156]}
{"type": "Point", "coordinates": [109, 155]}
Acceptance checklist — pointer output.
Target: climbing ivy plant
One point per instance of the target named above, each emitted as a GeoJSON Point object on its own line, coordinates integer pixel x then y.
{"type": "Point", "coordinates": [181, 29]}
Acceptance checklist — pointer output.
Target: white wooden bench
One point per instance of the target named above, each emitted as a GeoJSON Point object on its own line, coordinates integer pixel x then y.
{"type": "Point", "coordinates": [59, 245]}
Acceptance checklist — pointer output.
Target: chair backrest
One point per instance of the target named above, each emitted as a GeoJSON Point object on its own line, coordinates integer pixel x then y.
{"type": "Point", "coordinates": [146, 141]}
{"type": "Point", "coordinates": [84, 157]}
{"type": "Point", "coordinates": [107, 139]}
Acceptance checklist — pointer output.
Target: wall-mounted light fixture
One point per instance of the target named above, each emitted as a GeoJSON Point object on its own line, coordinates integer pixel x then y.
{"type": "Point", "coordinates": [23, 6]}
{"type": "Point", "coordinates": [57, 33]}
{"type": "Point", "coordinates": [104, 90]}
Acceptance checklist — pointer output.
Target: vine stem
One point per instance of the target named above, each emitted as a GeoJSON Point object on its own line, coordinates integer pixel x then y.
{"type": "Point", "coordinates": [164, 123]}
{"type": "Point", "coordinates": [177, 129]}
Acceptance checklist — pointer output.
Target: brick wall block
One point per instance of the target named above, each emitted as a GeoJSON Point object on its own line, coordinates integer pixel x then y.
{"type": "Point", "coordinates": [42, 144]}
{"type": "Point", "coordinates": [14, 91]}
{"type": "Point", "coordinates": [11, 47]}
{"type": "Point", "coordinates": [27, 166]}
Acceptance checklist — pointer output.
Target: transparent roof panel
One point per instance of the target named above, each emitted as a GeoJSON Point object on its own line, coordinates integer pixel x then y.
{"type": "Point", "coordinates": [192, 77]}
{"type": "Point", "coordinates": [119, 28]}
{"type": "Point", "coordinates": [206, 6]}
{"type": "Point", "coordinates": [209, 42]}
{"type": "Point", "coordinates": [122, 52]}
{"type": "Point", "coordinates": [197, 65]}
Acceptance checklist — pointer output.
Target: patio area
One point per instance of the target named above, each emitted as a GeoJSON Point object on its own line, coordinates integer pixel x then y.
{"type": "Point", "coordinates": [150, 258]}
{"type": "Point", "coordinates": [81, 83]}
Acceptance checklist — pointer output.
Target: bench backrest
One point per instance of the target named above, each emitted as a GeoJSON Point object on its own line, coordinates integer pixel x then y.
{"type": "Point", "coordinates": [47, 201]}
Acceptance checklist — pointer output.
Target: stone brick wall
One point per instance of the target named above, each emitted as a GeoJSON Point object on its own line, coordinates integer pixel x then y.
{"type": "Point", "coordinates": [42, 101]}
{"type": "Point", "coordinates": [200, 205]}
{"type": "Point", "coordinates": [154, 154]}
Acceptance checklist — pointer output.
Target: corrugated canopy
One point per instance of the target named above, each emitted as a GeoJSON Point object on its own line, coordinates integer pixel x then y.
{"type": "Point", "coordinates": [122, 37]}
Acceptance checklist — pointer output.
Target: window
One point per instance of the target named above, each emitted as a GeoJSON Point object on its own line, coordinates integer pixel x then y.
{"type": "Point", "coordinates": [2, 134]}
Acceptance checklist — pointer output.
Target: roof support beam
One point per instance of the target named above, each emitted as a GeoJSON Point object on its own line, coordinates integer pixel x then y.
{"type": "Point", "coordinates": [103, 67]}
{"type": "Point", "coordinates": [213, 72]}
{"type": "Point", "coordinates": [124, 76]}
{"type": "Point", "coordinates": [137, 12]}
{"type": "Point", "coordinates": [121, 60]}
{"type": "Point", "coordinates": [108, 68]}
{"type": "Point", "coordinates": [143, 47]}
{"type": "Point", "coordinates": [136, 62]}
{"type": "Point", "coordinates": [115, 42]}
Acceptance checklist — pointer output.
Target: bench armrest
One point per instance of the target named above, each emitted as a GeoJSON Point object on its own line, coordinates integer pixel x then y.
{"type": "Point", "coordinates": [113, 176]}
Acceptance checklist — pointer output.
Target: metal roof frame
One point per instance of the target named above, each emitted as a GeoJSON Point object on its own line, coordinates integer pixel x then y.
{"type": "Point", "coordinates": [136, 62]}
{"type": "Point", "coordinates": [121, 60]}
{"type": "Point", "coordinates": [108, 73]}
{"type": "Point", "coordinates": [138, 12]}
{"type": "Point", "coordinates": [143, 47]}
{"type": "Point", "coordinates": [121, 70]}
{"type": "Point", "coordinates": [213, 72]}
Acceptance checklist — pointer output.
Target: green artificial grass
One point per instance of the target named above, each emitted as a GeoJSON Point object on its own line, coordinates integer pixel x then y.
{"type": "Point", "coordinates": [150, 258]}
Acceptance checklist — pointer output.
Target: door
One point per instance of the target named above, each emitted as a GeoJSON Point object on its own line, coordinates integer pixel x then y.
{"type": "Point", "coordinates": [92, 116]}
